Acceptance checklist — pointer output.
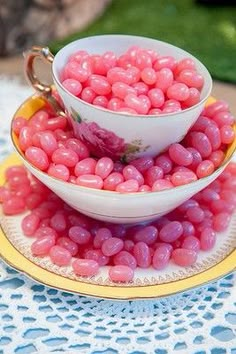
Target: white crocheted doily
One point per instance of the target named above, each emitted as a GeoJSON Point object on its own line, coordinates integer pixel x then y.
{"type": "Point", "coordinates": [37, 319]}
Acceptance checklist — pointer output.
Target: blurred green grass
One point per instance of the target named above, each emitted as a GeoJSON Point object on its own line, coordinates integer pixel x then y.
{"type": "Point", "coordinates": [209, 33]}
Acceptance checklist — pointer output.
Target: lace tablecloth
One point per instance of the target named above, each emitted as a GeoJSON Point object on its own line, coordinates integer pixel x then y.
{"type": "Point", "coordinates": [38, 319]}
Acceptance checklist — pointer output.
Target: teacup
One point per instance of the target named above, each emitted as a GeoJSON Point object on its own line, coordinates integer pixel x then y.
{"type": "Point", "coordinates": [110, 133]}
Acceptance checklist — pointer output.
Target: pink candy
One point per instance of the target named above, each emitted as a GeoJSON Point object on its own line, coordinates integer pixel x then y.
{"type": "Point", "coordinates": [118, 83]}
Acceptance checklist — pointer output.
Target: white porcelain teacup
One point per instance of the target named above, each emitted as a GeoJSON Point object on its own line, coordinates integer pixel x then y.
{"type": "Point", "coordinates": [112, 133]}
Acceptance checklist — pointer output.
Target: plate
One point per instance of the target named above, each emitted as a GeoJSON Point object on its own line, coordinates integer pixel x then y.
{"type": "Point", "coordinates": [147, 283]}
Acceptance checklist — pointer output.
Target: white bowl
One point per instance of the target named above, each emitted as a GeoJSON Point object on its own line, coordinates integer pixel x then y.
{"type": "Point", "coordinates": [119, 134]}
{"type": "Point", "coordinates": [113, 206]}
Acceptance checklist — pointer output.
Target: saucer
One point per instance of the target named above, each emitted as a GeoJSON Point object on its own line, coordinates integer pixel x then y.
{"type": "Point", "coordinates": [147, 283]}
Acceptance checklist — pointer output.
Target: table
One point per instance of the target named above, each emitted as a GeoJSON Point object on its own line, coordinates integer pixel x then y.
{"type": "Point", "coordinates": [38, 319]}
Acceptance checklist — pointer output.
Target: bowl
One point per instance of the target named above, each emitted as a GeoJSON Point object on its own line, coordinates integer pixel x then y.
{"type": "Point", "coordinates": [112, 133]}
{"type": "Point", "coordinates": [112, 206]}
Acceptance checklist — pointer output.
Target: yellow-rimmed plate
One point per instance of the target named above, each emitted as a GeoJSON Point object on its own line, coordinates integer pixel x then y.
{"type": "Point", "coordinates": [148, 283]}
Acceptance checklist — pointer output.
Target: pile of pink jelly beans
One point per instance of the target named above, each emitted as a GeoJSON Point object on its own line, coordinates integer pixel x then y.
{"type": "Point", "coordinates": [139, 81]}
{"type": "Point", "coordinates": [70, 238]}
{"type": "Point", "coordinates": [50, 145]}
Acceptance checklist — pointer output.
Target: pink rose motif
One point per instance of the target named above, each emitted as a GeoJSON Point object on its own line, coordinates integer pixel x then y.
{"type": "Point", "coordinates": [100, 141]}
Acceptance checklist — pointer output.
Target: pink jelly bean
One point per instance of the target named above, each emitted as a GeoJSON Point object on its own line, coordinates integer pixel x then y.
{"type": "Point", "coordinates": [142, 254]}
{"type": "Point", "coordinates": [188, 229]}
{"type": "Point", "coordinates": [44, 231]}
{"type": "Point", "coordinates": [197, 158]}
{"type": "Point", "coordinates": [164, 62]}
{"type": "Point", "coordinates": [128, 245]}
{"type": "Point", "coordinates": [154, 112]}
{"type": "Point", "coordinates": [209, 194]}
{"type": "Point", "coordinates": [201, 142]}
{"type": "Point", "coordinates": [191, 243]}
{"type": "Point", "coordinates": [104, 167]}
{"type": "Point", "coordinates": [157, 97]}
{"type": "Point", "coordinates": [73, 86]}
{"type": "Point", "coordinates": [184, 257]}
{"type": "Point", "coordinates": [121, 274]}
{"type": "Point", "coordinates": [216, 107]}
{"type": "Point", "coordinates": [102, 234]}
{"type": "Point", "coordinates": [153, 174]}
{"type": "Point", "coordinates": [217, 157]}
{"type": "Point", "coordinates": [141, 88]}
{"type": "Point", "coordinates": [85, 166]}
{"type": "Point", "coordinates": [59, 171]}
{"type": "Point", "coordinates": [161, 257]}
{"type": "Point", "coordinates": [193, 98]}
{"type": "Point", "coordinates": [228, 196]}
{"type": "Point", "coordinates": [85, 267]}
{"type": "Point", "coordinates": [171, 232]}
{"type": "Point", "coordinates": [25, 137]}
{"type": "Point", "coordinates": [164, 79]}
{"type": "Point", "coordinates": [79, 235]}
{"type": "Point", "coordinates": [30, 224]}
{"type": "Point", "coordinates": [39, 120]}
{"type": "Point", "coordinates": [191, 78]}
{"type": "Point", "coordinates": [120, 90]}
{"type": "Point", "coordinates": [78, 147]}
{"type": "Point", "coordinates": [125, 258]}
{"type": "Point", "coordinates": [58, 222]}
{"type": "Point", "coordinates": [227, 134]}
{"type": "Point", "coordinates": [143, 60]}
{"type": "Point", "coordinates": [214, 136]}
{"type": "Point", "coordinates": [42, 245]}
{"type": "Point", "coordinates": [134, 74]}
{"type": "Point", "coordinates": [186, 63]}
{"type": "Point", "coordinates": [68, 244]}
{"type": "Point", "coordinates": [218, 206]}
{"type": "Point", "coordinates": [181, 178]}
{"type": "Point", "coordinates": [117, 74]}
{"type": "Point", "coordinates": [100, 85]}
{"type": "Point", "coordinates": [115, 103]}
{"type": "Point", "coordinates": [88, 94]}
{"type": "Point", "coordinates": [207, 239]}
{"type": "Point", "coordinates": [178, 91]}
{"type": "Point", "coordinates": [79, 220]}
{"type": "Point", "coordinates": [164, 162]}
{"type": "Point", "coordinates": [124, 61]}
{"type": "Point", "coordinates": [15, 182]}
{"type": "Point", "coordinates": [112, 246]}
{"type": "Point", "coordinates": [143, 163]}
{"type": "Point", "coordinates": [202, 123]}
{"type": "Point", "coordinates": [180, 155]}
{"type": "Point", "coordinates": [131, 172]}
{"type": "Point", "coordinates": [161, 184]}
{"type": "Point", "coordinates": [90, 181]}
{"type": "Point", "coordinates": [33, 200]}
{"type": "Point", "coordinates": [195, 214]}
{"type": "Point", "coordinates": [148, 75]}
{"type": "Point", "coordinates": [145, 188]}
{"type": "Point", "coordinates": [5, 194]}
{"type": "Point", "coordinates": [223, 118]}
{"type": "Point", "coordinates": [56, 123]}
{"type": "Point", "coordinates": [13, 171]}
{"type": "Point", "coordinates": [60, 256]}
{"type": "Point", "coordinates": [136, 103]}
{"type": "Point", "coordinates": [205, 168]}
{"type": "Point", "coordinates": [101, 101]}
{"type": "Point", "coordinates": [129, 186]}
{"type": "Point", "coordinates": [74, 71]}
{"type": "Point", "coordinates": [147, 234]}
{"type": "Point", "coordinates": [97, 256]}
{"type": "Point", "coordinates": [18, 123]}
{"type": "Point", "coordinates": [221, 221]}
{"type": "Point", "coordinates": [65, 156]}
{"type": "Point", "coordinates": [37, 157]}
{"type": "Point", "coordinates": [48, 142]}
{"type": "Point", "coordinates": [112, 181]}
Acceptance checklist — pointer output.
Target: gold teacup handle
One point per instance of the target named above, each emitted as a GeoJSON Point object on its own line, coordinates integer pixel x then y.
{"type": "Point", "coordinates": [44, 90]}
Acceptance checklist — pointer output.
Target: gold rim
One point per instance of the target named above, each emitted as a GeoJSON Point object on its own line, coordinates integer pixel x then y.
{"type": "Point", "coordinates": [18, 261]}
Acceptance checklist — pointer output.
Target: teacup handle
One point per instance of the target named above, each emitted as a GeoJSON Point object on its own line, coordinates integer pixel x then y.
{"type": "Point", "coordinates": [45, 90]}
